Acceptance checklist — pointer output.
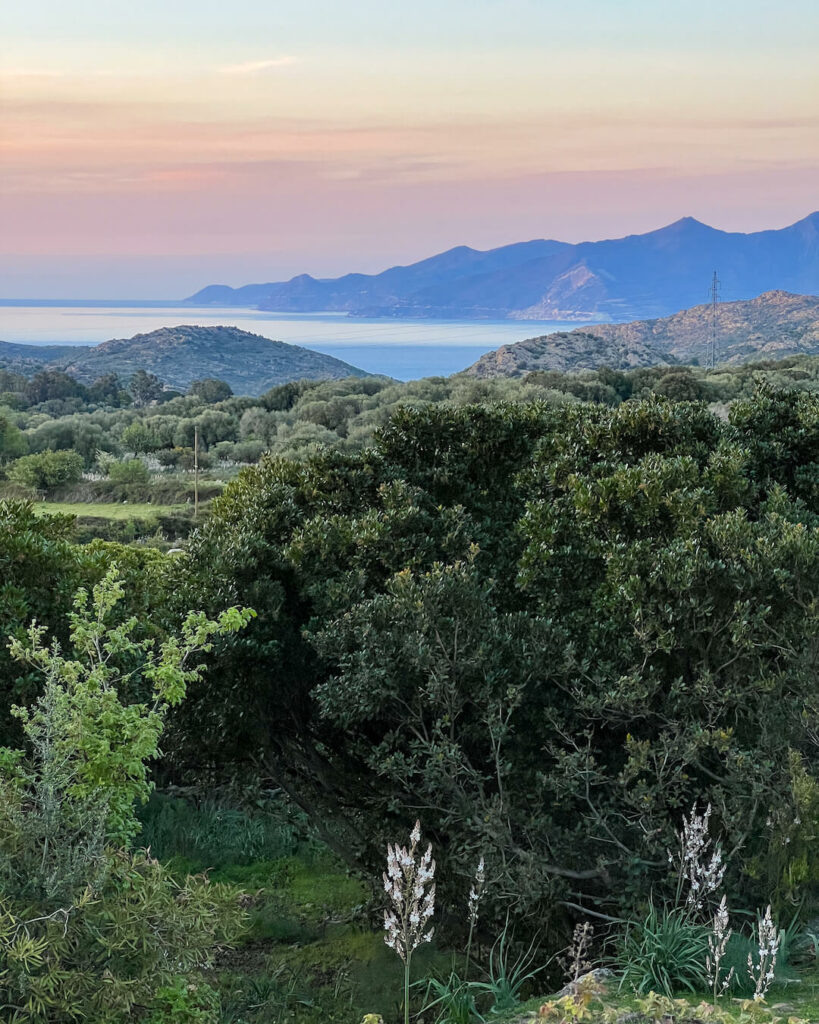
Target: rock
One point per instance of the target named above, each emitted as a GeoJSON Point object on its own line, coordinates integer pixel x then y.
{"type": "Point", "coordinates": [595, 981]}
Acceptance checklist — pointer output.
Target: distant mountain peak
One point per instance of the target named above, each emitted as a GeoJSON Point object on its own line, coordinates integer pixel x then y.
{"type": "Point", "coordinates": [690, 222]}
{"type": "Point", "coordinates": [685, 225]}
{"type": "Point", "coordinates": [639, 276]}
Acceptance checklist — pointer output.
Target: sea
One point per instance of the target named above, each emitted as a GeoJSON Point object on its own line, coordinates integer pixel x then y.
{"type": "Point", "coordinates": [403, 349]}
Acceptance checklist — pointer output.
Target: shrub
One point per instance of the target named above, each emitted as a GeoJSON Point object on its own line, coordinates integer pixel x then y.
{"type": "Point", "coordinates": [46, 470]}
{"type": "Point", "coordinates": [12, 442]}
{"type": "Point", "coordinates": [551, 628]}
{"type": "Point", "coordinates": [185, 1002]}
{"type": "Point", "coordinates": [131, 471]}
{"type": "Point", "coordinates": [665, 953]}
{"type": "Point", "coordinates": [89, 929]}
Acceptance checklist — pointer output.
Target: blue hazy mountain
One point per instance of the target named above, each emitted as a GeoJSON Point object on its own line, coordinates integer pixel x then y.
{"type": "Point", "coordinates": [639, 276]}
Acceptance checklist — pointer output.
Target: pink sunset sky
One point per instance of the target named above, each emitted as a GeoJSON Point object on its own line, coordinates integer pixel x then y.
{"type": "Point", "coordinates": [150, 149]}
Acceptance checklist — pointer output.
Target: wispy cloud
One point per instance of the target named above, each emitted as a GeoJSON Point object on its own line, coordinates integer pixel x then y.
{"type": "Point", "coordinates": [256, 67]}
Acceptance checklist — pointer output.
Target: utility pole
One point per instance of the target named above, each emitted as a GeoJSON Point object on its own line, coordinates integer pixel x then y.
{"type": "Point", "coordinates": [195, 472]}
{"type": "Point", "coordinates": [713, 291]}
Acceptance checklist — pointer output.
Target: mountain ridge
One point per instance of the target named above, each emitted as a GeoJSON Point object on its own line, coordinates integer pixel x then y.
{"type": "Point", "coordinates": [637, 276]}
{"type": "Point", "coordinates": [772, 325]}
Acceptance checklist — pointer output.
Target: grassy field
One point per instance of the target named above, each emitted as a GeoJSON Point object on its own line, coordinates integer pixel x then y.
{"type": "Point", "coordinates": [121, 511]}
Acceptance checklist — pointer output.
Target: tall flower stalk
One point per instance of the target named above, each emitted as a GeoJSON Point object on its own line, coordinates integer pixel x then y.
{"type": "Point", "coordinates": [473, 903]}
{"type": "Point", "coordinates": [576, 962]}
{"type": "Point", "coordinates": [410, 886]}
{"type": "Point", "coordinates": [717, 945]}
{"type": "Point", "coordinates": [700, 865]}
{"type": "Point", "coordinates": [761, 973]}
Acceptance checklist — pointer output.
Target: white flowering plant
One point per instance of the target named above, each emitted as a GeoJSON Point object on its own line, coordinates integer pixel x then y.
{"type": "Point", "coordinates": [717, 947]}
{"type": "Point", "coordinates": [700, 866]}
{"type": "Point", "coordinates": [409, 883]}
{"type": "Point", "coordinates": [476, 892]}
{"type": "Point", "coordinates": [762, 970]}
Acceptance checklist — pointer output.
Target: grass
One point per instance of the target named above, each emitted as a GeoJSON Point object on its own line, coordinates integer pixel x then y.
{"type": "Point", "coordinates": [313, 951]}
{"type": "Point", "coordinates": [120, 511]}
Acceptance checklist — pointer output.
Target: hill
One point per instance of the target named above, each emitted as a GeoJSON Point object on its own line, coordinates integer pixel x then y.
{"type": "Point", "coordinates": [566, 352]}
{"type": "Point", "coordinates": [29, 358]}
{"type": "Point", "coordinates": [639, 276]}
{"type": "Point", "coordinates": [249, 363]}
{"type": "Point", "coordinates": [771, 326]}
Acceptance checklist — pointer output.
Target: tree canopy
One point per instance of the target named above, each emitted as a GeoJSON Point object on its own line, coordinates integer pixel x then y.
{"type": "Point", "coordinates": [546, 629]}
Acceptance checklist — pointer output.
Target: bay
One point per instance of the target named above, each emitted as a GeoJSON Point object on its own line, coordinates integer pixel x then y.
{"type": "Point", "coordinates": [404, 349]}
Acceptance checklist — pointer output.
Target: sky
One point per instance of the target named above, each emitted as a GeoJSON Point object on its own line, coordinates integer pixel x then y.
{"type": "Point", "coordinates": [148, 149]}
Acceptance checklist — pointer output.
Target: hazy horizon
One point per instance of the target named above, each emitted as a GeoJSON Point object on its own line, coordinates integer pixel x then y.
{"type": "Point", "coordinates": [243, 280]}
{"type": "Point", "coordinates": [151, 150]}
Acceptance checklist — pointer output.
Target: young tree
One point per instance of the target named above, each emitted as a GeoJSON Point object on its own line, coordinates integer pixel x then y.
{"type": "Point", "coordinates": [89, 928]}
{"type": "Point", "coordinates": [145, 387]}
{"type": "Point", "coordinates": [12, 441]}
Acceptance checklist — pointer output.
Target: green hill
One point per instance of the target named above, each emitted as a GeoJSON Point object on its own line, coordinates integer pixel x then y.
{"type": "Point", "coordinates": [249, 363]}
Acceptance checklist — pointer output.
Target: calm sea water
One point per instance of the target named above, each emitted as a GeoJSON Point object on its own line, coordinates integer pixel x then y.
{"type": "Point", "coordinates": [405, 349]}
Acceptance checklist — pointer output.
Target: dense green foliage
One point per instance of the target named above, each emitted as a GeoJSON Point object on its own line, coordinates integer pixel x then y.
{"type": "Point", "coordinates": [53, 412]}
{"type": "Point", "coordinates": [547, 626]}
{"type": "Point", "coordinates": [547, 629]}
{"type": "Point", "coordinates": [46, 470]}
{"type": "Point", "coordinates": [665, 953]}
{"type": "Point", "coordinates": [88, 929]}
{"type": "Point", "coordinates": [40, 570]}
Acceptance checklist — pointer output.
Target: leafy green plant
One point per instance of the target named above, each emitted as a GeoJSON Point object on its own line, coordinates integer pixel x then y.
{"type": "Point", "coordinates": [88, 928]}
{"type": "Point", "coordinates": [451, 1000]}
{"type": "Point", "coordinates": [185, 1002]}
{"type": "Point", "coordinates": [507, 976]}
{"type": "Point", "coordinates": [665, 953]}
{"type": "Point", "coordinates": [45, 470]}
{"type": "Point", "coordinates": [131, 471]}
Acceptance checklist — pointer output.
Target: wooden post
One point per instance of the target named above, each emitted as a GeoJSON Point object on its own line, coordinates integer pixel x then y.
{"type": "Point", "coordinates": [195, 472]}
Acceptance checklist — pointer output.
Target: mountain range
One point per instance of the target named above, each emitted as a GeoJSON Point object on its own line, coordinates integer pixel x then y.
{"type": "Point", "coordinates": [771, 326]}
{"type": "Point", "coordinates": [249, 363]}
{"type": "Point", "coordinates": [636, 277]}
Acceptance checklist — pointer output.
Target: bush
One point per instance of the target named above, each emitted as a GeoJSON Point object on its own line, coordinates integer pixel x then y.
{"type": "Point", "coordinates": [89, 929]}
{"type": "Point", "coordinates": [46, 470]}
{"type": "Point", "coordinates": [185, 1002]}
{"type": "Point", "coordinates": [553, 628]}
{"type": "Point", "coordinates": [665, 953]}
{"type": "Point", "coordinates": [132, 471]}
{"type": "Point", "coordinates": [12, 442]}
